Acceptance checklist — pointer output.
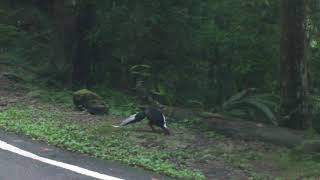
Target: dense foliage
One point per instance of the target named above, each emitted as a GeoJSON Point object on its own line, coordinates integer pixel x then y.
{"type": "Point", "coordinates": [191, 48]}
{"type": "Point", "coordinates": [196, 50]}
{"type": "Point", "coordinates": [220, 56]}
{"type": "Point", "coordinates": [192, 53]}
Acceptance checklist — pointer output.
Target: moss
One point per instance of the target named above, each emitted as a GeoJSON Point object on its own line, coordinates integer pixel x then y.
{"type": "Point", "coordinates": [84, 92]}
{"type": "Point", "coordinates": [93, 103]}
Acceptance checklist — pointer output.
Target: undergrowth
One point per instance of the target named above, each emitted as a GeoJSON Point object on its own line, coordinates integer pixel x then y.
{"type": "Point", "coordinates": [119, 104]}
{"type": "Point", "coordinates": [50, 127]}
{"type": "Point", "coordinates": [101, 140]}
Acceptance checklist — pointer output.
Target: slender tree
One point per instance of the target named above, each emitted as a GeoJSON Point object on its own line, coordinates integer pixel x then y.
{"type": "Point", "coordinates": [84, 54]}
{"type": "Point", "coordinates": [293, 65]}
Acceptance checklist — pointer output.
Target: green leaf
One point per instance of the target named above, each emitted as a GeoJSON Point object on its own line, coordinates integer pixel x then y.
{"type": "Point", "coordinates": [263, 108]}
{"type": "Point", "coordinates": [233, 99]}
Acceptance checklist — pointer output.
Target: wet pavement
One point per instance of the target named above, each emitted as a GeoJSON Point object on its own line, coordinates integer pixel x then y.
{"type": "Point", "coordinates": [17, 167]}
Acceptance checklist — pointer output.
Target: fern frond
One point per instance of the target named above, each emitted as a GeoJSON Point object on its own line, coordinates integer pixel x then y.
{"type": "Point", "coordinates": [244, 105]}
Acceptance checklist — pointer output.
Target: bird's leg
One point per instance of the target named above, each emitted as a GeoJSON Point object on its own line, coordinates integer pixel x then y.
{"type": "Point", "coordinates": [151, 125]}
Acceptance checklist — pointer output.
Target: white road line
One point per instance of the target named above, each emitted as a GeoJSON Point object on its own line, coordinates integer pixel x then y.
{"type": "Point", "coordinates": [7, 147]}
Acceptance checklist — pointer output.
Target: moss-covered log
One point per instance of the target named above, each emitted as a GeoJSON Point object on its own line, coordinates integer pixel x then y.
{"type": "Point", "coordinates": [249, 130]}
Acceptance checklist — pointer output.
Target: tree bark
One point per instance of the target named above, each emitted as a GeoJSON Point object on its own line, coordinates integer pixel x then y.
{"type": "Point", "coordinates": [293, 66]}
{"type": "Point", "coordinates": [64, 37]}
{"type": "Point", "coordinates": [84, 54]}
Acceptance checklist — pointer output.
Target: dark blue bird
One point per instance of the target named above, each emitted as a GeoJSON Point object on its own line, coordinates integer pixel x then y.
{"type": "Point", "coordinates": [155, 117]}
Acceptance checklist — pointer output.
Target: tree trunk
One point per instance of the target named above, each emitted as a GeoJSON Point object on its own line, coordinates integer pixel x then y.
{"type": "Point", "coordinates": [293, 67]}
{"type": "Point", "coordinates": [84, 54]}
{"type": "Point", "coordinates": [213, 76]}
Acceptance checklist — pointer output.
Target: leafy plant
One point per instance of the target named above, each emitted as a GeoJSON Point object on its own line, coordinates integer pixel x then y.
{"type": "Point", "coordinates": [142, 70]}
{"type": "Point", "coordinates": [162, 93]}
{"type": "Point", "coordinates": [244, 105]}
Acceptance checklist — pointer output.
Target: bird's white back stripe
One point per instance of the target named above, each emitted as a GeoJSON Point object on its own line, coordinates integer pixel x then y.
{"type": "Point", "coordinates": [164, 121]}
{"type": "Point", "coordinates": [132, 116]}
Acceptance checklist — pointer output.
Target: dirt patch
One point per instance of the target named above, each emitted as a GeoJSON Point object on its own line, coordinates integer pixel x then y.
{"type": "Point", "coordinates": [9, 94]}
{"type": "Point", "coordinates": [219, 170]}
{"type": "Point", "coordinates": [216, 156]}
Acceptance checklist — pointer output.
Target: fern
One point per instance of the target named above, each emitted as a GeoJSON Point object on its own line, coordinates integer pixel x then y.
{"type": "Point", "coordinates": [246, 105]}
{"type": "Point", "coordinates": [141, 70]}
{"type": "Point", "coordinates": [234, 99]}
{"type": "Point", "coordinates": [260, 106]}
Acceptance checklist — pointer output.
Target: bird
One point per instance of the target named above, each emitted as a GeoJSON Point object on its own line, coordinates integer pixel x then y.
{"type": "Point", "coordinates": [154, 115]}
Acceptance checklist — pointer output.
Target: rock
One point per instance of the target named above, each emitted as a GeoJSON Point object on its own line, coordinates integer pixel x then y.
{"type": "Point", "coordinates": [311, 146]}
{"type": "Point", "coordinates": [89, 101]}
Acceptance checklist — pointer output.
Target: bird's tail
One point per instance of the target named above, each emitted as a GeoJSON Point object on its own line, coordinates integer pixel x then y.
{"type": "Point", "coordinates": [133, 118]}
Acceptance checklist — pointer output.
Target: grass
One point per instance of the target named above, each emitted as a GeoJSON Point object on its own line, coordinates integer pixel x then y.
{"type": "Point", "coordinates": [297, 165]}
{"type": "Point", "coordinates": [51, 96]}
{"type": "Point", "coordinates": [52, 128]}
{"type": "Point", "coordinates": [119, 104]}
{"type": "Point", "coordinates": [180, 156]}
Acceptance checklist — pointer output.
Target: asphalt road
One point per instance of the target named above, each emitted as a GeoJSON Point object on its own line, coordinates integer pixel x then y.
{"type": "Point", "coordinates": [16, 167]}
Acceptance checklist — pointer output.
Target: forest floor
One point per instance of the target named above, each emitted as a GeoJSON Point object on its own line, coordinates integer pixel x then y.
{"type": "Point", "coordinates": [192, 152]}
